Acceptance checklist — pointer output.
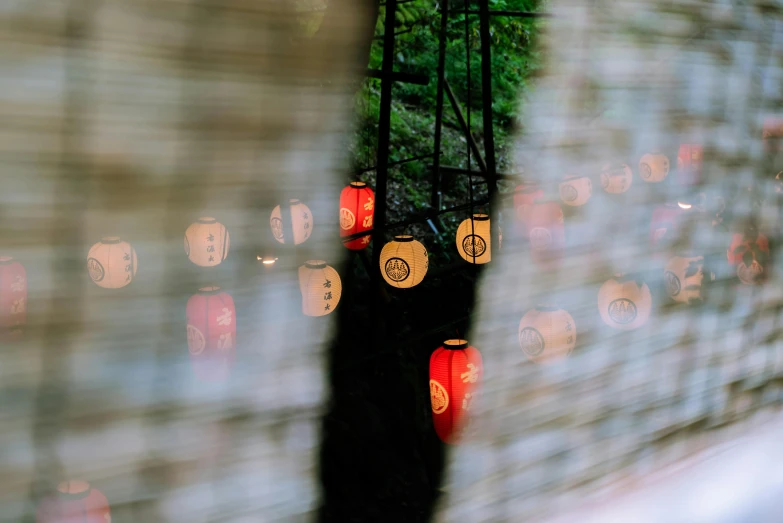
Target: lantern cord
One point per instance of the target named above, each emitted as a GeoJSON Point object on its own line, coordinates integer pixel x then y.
{"type": "Point", "coordinates": [468, 138]}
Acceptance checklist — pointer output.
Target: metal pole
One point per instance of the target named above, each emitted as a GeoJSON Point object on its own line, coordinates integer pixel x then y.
{"type": "Point", "coordinates": [444, 22]}
{"type": "Point", "coordinates": [486, 97]}
{"type": "Point", "coordinates": [464, 125]}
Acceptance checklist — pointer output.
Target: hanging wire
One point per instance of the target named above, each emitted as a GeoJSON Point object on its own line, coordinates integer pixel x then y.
{"type": "Point", "coordinates": [468, 137]}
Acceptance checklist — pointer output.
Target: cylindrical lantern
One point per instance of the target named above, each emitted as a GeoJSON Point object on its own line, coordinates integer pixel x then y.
{"type": "Point", "coordinates": [689, 164]}
{"type": "Point", "coordinates": [212, 333]}
{"type": "Point", "coordinates": [624, 304]}
{"type": "Point", "coordinates": [749, 252]}
{"type": "Point", "coordinates": [654, 167]}
{"type": "Point", "coordinates": [545, 228]}
{"type": "Point", "coordinates": [13, 298]}
{"type": "Point", "coordinates": [547, 334]}
{"type": "Point", "coordinates": [684, 277]}
{"type": "Point", "coordinates": [112, 263]}
{"type": "Point", "coordinates": [206, 242]}
{"type": "Point", "coordinates": [404, 262]}
{"type": "Point", "coordinates": [321, 288]}
{"type": "Point", "coordinates": [357, 203]}
{"type": "Point", "coordinates": [616, 178]}
{"type": "Point", "coordinates": [74, 502]}
{"type": "Point", "coordinates": [576, 190]}
{"type": "Point", "coordinates": [455, 376]}
{"type": "Point", "coordinates": [473, 239]}
{"type": "Point", "coordinates": [300, 219]}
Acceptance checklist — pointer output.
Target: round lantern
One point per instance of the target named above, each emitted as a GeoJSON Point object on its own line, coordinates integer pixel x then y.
{"type": "Point", "coordinates": [624, 304]}
{"type": "Point", "coordinates": [13, 298]}
{"type": "Point", "coordinates": [684, 277]}
{"type": "Point", "coordinates": [206, 242]}
{"type": "Point", "coordinates": [404, 262]}
{"type": "Point", "coordinates": [74, 502]}
{"type": "Point", "coordinates": [357, 202]}
{"type": "Point", "coordinates": [321, 288]}
{"type": "Point", "coordinates": [473, 239]}
{"type": "Point", "coordinates": [749, 252]}
{"type": "Point", "coordinates": [301, 221]}
{"type": "Point", "coordinates": [112, 263]}
{"type": "Point", "coordinates": [455, 377]}
{"type": "Point", "coordinates": [212, 333]}
{"type": "Point", "coordinates": [654, 167]}
{"type": "Point", "coordinates": [547, 334]}
{"type": "Point", "coordinates": [689, 164]}
{"type": "Point", "coordinates": [616, 178]}
{"type": "Point", "coordinates": [576, 190]}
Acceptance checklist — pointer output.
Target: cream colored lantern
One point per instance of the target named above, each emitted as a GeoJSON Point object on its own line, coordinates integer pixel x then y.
{"type": "Point", "coordinates": [207, 242]}
{"type": "Point", "coordinates": [321, 288]}
{"type": "Point", "coordinates": [623, 304]}
{"type": "Point", "coordinates": [404, 262]}
{"type": "Point", "coordinates": [616, 178]}
{"type": "Point", "coordinates": [684, 277]}
{"type": "Point", "coordinates": [654, 167]}
{"type": "Point", "coordinates": [547, 334]}
{"type": "Point", "coordinates": [112, 263]}
{"type": "Point", "coordinates": [473, 239]}
{"type": "Point", "coordinates": [576, 190]}
{"type": "Point", "coordinates": [301, 221]}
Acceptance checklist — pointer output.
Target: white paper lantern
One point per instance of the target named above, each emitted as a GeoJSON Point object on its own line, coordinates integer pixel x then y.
{"type": "Point", "coordinates": [207, 242]}
{"type": "Point", "coordinates": [112, 263]}
{"type": "Point", "coordinates": [547, 334]}
{"type": "Point", "coordinates": [624, 304]}
{"type": "Point", "coordinates": [473, 239]}
{"type": "Point", "coordinates": [320, 286]}
{"type": "Point", "coordinates": [404, 262]}
{"type": "Point", "coordinates": [616, 178]}
{"type": "Point", "coordinates": [654, 167]}
{"type": "Point", "coordinates": [300, 219]}
{"type": "Point", "coordinates": [684, 277]}
{"type": "Point", "coordinates": [576, 190]}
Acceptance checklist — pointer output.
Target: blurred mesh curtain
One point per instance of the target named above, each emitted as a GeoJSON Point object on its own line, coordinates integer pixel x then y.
{"type": "Point", "coordinates": [134, 119]}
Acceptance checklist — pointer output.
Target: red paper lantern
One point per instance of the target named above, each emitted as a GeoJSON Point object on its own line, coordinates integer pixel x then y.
{"type": "Point", "coordinates": [357, 205]}
{"type": "Point", "coordinates": [455, 376]}
{"type": "Point", "coordinates": [525, 195]}
{"type": "Point", "coordinates": [749, 252]}
{"type": "Point", "coordinates": [13, 298]}
{"type": "Point", "coordinates": [74, 502]}
{"type": "Point", "coordinates": [689, 164]}
{"type": "Point", "coordinates": [212, 332]}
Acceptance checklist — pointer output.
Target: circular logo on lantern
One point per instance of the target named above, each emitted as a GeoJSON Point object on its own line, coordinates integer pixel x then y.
{"type": "Point", "coordinates": [439, 397]}
{"type": "Point", "coordinates": [277, 228]}
{"type": "Point", "coordinates": [568, 192]}
{"type": "Point", "coordinates": [645, 171]}
{"type": "Point", "coordinates": [622, 311]}
{"type": "Point", "coordinates": [347, 219]}
{"type": "Point", "coordinates": [672, 283]}
{"type": "Point", "coordinates": [96, 270]}
{"type": "Point", "coordinates": [474, 245]}
{"type": "Point", "coordinates": [397, 269]}
{"type": "Point", "coordinates": [748, 275]}
{"type": "Point", "coordinates": [531, 341]}
{"type": "Point", "coordinates": [196, 341]}
{"type": "Point", "coordinates": [540, 238]}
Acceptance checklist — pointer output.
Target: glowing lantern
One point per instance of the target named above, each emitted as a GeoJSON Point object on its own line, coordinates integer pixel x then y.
{"type": "Point", "coordinates": [206, 242]}
{"type": "Point", "coordinates": [455, 376]}
{"type": "Point", "coordinates": [112, 263]}
{"type": "Point", "coordinates": [547, 334]}
{"type": "Point", "coordinates": [689, 164]}
{"type": "Point", "coordinates": [404, 262]}
{"type": "Point", "coordinates": [684, 277]}
{"type": "Point", "coordinates": [321, 288]}
{"type": "Point", "coordinates": [74, 502]}
{"type": "Point", "coordinates": [616, 178]}
{"type": "Point", "coordinates": [212, 332]}
{"type": "Point", "coordinates": [576, 190]}
{"type": "Point", "coordinates": [357, 202]}
{"type": "Point", "coordinates": [473, 239]}
{"type": "Point", "coordinates": [301, 222]}
{"type": "Point", "coordinates": [654, 167]}
{"type": "Point", "coordinates": [624, 304]}
{"type": "Point", "coordinates": [13, 298]}
{"type": "Point", "coordinates": [749, 252]}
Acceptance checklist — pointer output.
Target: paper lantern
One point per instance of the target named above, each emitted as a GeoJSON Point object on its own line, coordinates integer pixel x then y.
{"type": "Point", "coordinates": [545, 230]}
{"type": "Point", "coordinates": [624, 304]}
{"type": "Point", "coordinates": [749, 253]}
{"type": "Point", "coordinates": [654, 167]}
{"type": "Point", "coordinates": [74, 502]}
{"type": "Point", "coordinates": [404, 262]}
{"type": "Point", "coordinates": [112, 263]}
{"type": "Point", "coordinates": [684, 278]}
{"type": "Point", "coordinates": [357, 204]}
{"type": "Point", "coordinates": [616, 178]}
{"type": "Point", "coordinates": [547, 334]}
{"type": "Point", "coordinates": [689, 164]}
{"type": "Point", "coordinates": [301, 221]}
{"type": "Point", "coordinates": [525, 195]}
{"type": "Point", "coordinates": [206, 242]}
{"type": "Point", "coordinates": [664, 223]}
{"type": "Point", "coordinates": [212, 333]}
{"type": "Point", "coordinates": [455, 377]}
{"type": "Point", "coordinates": [321, 288]}
{"type": "Point", "coordinates": [576, 190]}
{"type": "Point", "coordinates": [13, 298]}
{"type": "Point", "coordinates": [473, 239]}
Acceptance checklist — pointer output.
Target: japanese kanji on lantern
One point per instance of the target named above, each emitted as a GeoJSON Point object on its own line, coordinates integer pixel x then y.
{"type": "Point", "coordinates": [207, 242]}
{"type": "Point", "coordinates": [623, 303]}
{"type": "Point", "coordinates": [576, 190]}
{"type": "Point", "coordinates": [749, 253]}
{"type": "Point", "coordinates": [685, 279]}
{"type": "Point", "coordinates": [357, 203]}
{"type": "Point", "coordinates": [455, 377]}
{"type": "Point", "coordinates": [404, 262]}
{"type": "Point", "coordinates": [321, 288]}
{"type": "Point", "coordinates": [654, 167]}
{"type": "Point", "coordinates": [212, 332]}
{"type": "Point", "coordinates": [689, 164]}
{"type": "Point", "coordinates": [616, 178]}
{"type": "Point", "coordinates": [112, 263]}
{"type": "Point", "coordinates": [300, 219]}
{"type": "Point", "coordinates": [13, 298]}
{"type": "Point", "coordinates": [547, 334]}
{"type": "Point", "coordinates": [473, 239]}
{"type": "Point", "coordinates": [74, 501]}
